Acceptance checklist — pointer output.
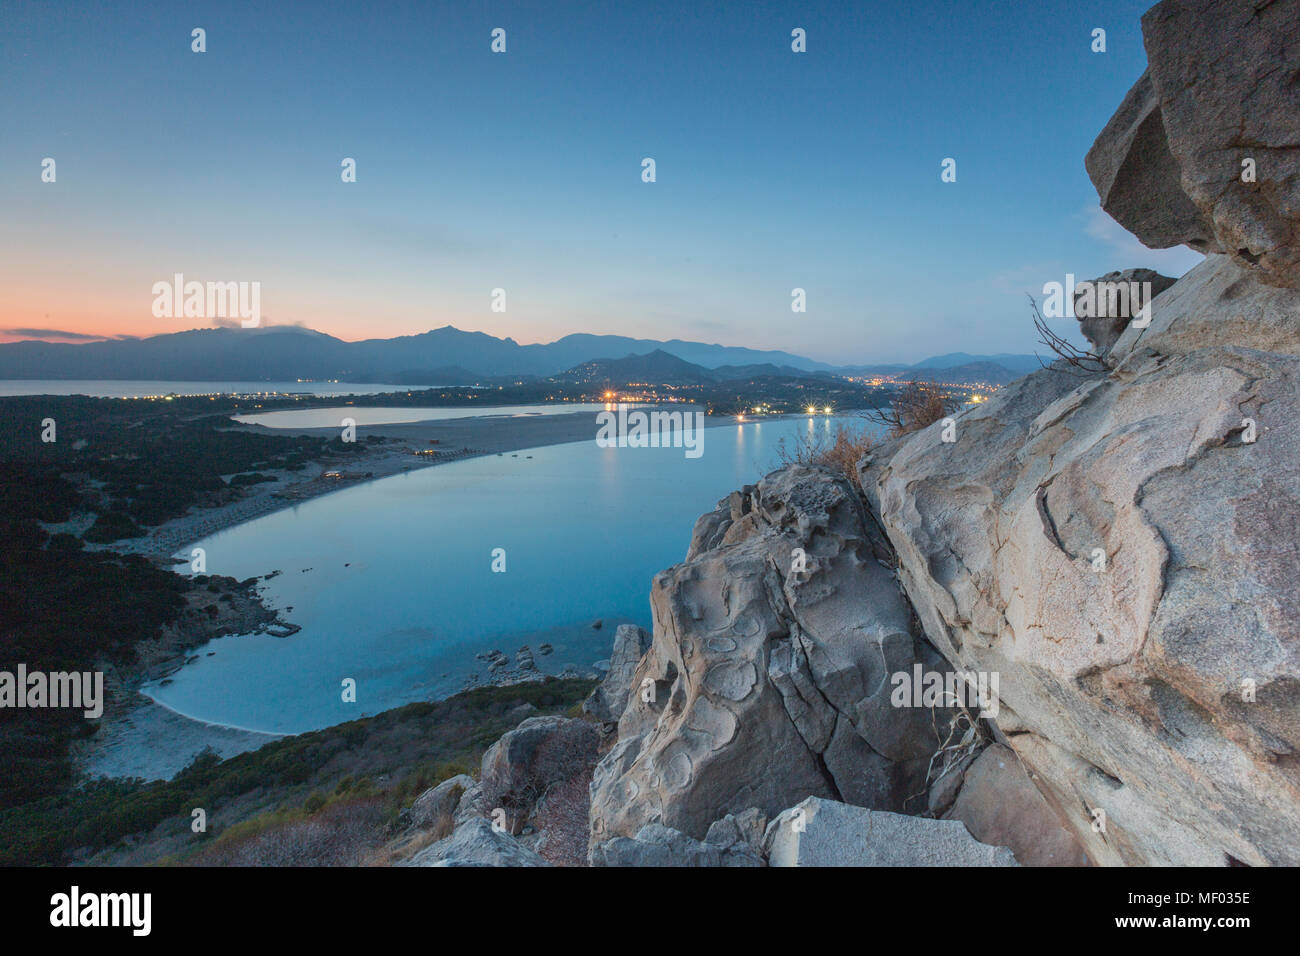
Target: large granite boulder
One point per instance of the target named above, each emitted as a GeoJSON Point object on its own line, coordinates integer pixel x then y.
{"type": "Point", "coordinates": [1139, 180]}
{"type": "Point", "coordinates": [661, 846]}
{"type": "Point", "coordinates": [1001, 806]}
{"type": "Point", "coordinates": [1205, 149]}
{"type": "Point", "coordinates": [1217, 304]}
{"type": "Point", "coordinates": [526, 762]}
{"type": "Point", "coordinates": [1121, 547]}
{"type": "Point", "coordinates": [608, 701]}
{"type": "Point", "coordinates": [768, 678]}
{"type": "Point", "coordinates": [825, 833]}
{"type": "Point", "coordinates": [435, 809]}
{"type": "Point", "coordinates": [476, 843]}
{"type": "Point", "coordinates": [1104, 306]}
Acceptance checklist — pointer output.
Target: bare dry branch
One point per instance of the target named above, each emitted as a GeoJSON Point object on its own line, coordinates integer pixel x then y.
{"type": "Point", "coordinates": [917, 405]}
{"type": "Point", "coordinates": [1075, 358]}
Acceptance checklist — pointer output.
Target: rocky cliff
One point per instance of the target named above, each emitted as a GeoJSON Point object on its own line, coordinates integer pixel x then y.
{"type": "Point", "coordinates": [1059, 628]}
{"type": "Point", "coordinates": [782, 665]}
{"type": "Point", "coordinates": [1117, 541]}
{"type": "Point", "coordinates": [1202, 151]}
{"type": "Point", "coordinates": [1121, 547]}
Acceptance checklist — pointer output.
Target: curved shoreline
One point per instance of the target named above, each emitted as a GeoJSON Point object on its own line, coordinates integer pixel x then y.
{"type": "Point", "coordinates": [455, 439]}
{"type": "Point", "coordinates": [215, 725]}
{"type": "Point", "coordinates": [149, 738]}
{"type": "Point", "coordinates": [151, 741]}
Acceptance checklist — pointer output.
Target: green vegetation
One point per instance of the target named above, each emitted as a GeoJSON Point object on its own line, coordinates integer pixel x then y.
{"type": "Point", "coordinates": [135, 462]}
{"type": "Point", "coordinates": [393, 756]}
{"type": "Point", "coordinates": [112, 526]}
{"type": "Point", "coordinates": [251, 478]}
{"type": "Point", "coordinates": [62, 608]}
{"type": "Point", "coordinates": [117, 468]}
{"type": "Point", "coordinates": [120, 467]}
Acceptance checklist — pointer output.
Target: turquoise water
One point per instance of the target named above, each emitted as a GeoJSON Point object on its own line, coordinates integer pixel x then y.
{"type": "Point", "coordinates": [393, 586]}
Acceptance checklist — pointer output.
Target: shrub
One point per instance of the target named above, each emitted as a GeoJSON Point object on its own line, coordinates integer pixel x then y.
{"type": "Point", "coordinates": [342, 834]}
{"type": "Point", "coordinates": [112, 526]}
{"type": "Point", "coordinates": [65, 542]}
{"type": "Point", "coordinates": [563, 817]}
{"type": "Point", "coordinates": [917, 405]}
{"type": "Point", "coordinates": [841, 455]}
{"type": "Point", "coordinates": [567, 753]}
{"type": "Point", "coordinates": [313, 803]}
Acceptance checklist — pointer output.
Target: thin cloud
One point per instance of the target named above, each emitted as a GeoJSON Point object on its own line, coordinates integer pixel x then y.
{"type": "Point", "coordinates": [55, 334]}
{"type": "Point", "coordinates": [1131, 253]}
{"type": "Point", "coordinates": [1025, 278]}
{"type": "Point", "coordinates": [265, 323]}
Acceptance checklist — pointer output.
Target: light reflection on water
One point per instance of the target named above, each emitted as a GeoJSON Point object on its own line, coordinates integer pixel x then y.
{"type": "Point", "coordinates": [392, 586]}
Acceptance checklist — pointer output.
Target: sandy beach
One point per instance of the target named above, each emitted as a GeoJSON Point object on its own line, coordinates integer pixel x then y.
{"type": "Point", "coordinates": [139, 737]}
{"type": "Point", "coordinates": [410, 446]}
{"type": "Point", "coordinates": [144, 739]}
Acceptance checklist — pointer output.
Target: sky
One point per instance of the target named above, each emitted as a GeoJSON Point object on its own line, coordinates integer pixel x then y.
{"type": "Point", "coordinates": [522, 170]}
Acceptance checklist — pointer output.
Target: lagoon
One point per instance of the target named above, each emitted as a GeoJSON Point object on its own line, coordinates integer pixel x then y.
{"type": "Point", "coordinates": [392, 581]}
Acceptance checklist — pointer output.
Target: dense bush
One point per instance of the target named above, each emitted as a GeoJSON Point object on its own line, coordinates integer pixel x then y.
{"type": "Point", "coordinates": [112, 526]}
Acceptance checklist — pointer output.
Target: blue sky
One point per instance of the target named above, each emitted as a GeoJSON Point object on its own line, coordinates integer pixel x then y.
{"type": "Point", "coordinates": [522, 170]}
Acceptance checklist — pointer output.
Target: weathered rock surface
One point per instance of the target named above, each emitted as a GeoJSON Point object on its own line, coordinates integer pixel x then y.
{"type": "Point", "coordinates": [1104, 306]}
{"type": "Point", "coordinates": [435, 808]}
{"type": "Point", "coordinates": [1122, 556]}
{"type": "Point", "coordinates": [1217, 304]}
{"type": "Point", "coordinates": [1139, 180]}
{"type": "Point", "coordinates": [509, 759]}
{"type": "Point", "coordinates": [946, 785]}
{"type": "Point", "coordinates": [768, 677]}
{"type": "Point", "coordinates": [476, 843]}
{"type": "Point", "coordinates": [608, 701]}
{"type": "Point", "coordinates": [658, 845]}
{"type": "Point", "coordinates": [735, 830]}
{"type": "Point", "coordinates": [524, 763]}
{"type": "Point", "coordinates": [825, 833]}
{"type": "Point", "coordinates": [1122, 546]}
{"type": "Point", "coordinates": [1220, 90]}
{"type": "Point", "coordinates": [1001, 806]}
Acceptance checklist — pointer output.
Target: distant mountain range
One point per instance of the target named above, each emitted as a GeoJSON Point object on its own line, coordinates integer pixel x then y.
{"type": "Point", "coordinates": [445, 356]}
{"type": "Point", "coordinates": [981, 371]}
{"type": "Point", "coordinates": [663, 368]}
{"type": "Point", "coordinates": [957, 368]}
{"type": "Point", "coordinates": [1016, 363]}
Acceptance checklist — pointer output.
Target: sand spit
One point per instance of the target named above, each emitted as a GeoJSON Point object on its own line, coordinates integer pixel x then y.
{"type": "Point", "coordinates": [410, 446]}
{"type": "Point", "coordinates": [140, 738]}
